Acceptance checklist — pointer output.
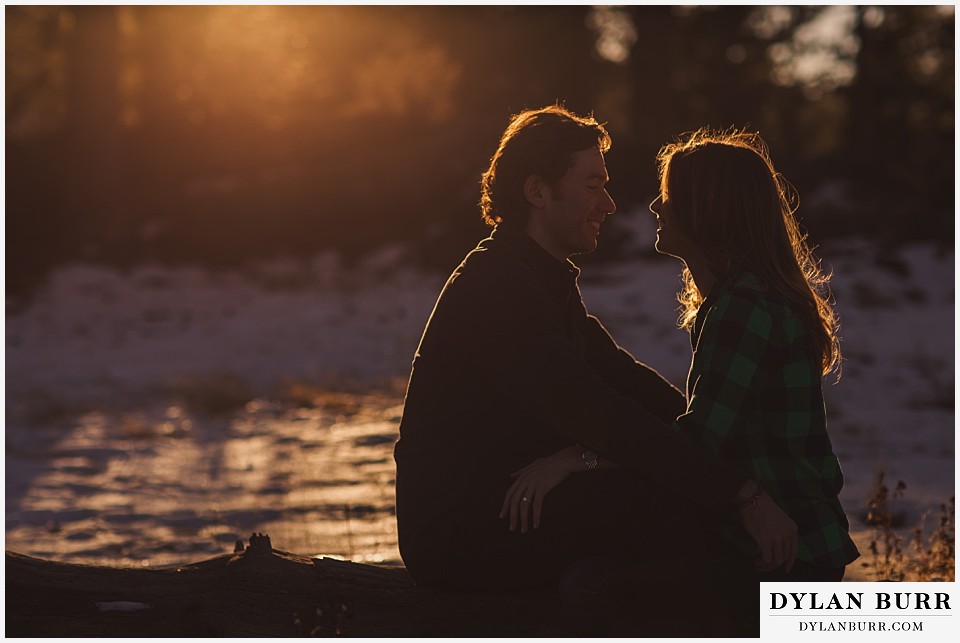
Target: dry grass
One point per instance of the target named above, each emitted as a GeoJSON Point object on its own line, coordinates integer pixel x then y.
{"type": "Point", "coordinates": [933, 553]}
{"type": "Point", "coordinates": [886, 545]}
{"type": "Point", "coordinates": [936, 552]}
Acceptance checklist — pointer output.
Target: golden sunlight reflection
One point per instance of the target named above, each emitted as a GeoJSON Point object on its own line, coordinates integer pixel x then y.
{"type": "Point", "coordinates": [271, 61]}
{"type": "Point", "coordinates": [176, 486]}
{"type": "Point", "coordinates": [273, 67]}
{"type": "Point", "coordinates": [409, 76]}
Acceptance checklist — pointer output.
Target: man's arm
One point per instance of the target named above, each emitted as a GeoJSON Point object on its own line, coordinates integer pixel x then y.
{"type": "Point", "coordinates": [630, 377]}
{"type": "Point", "coordinates": [524, 354]}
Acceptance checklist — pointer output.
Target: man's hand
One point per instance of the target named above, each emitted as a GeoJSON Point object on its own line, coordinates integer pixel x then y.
{"type": "Point", "coordinates": [774, 531]}
{"type": "Point", "coordinates": [533, 482]}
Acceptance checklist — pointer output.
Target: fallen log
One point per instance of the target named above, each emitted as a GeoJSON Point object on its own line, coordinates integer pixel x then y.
{"type": "Point", "coordinates": [259, 591]}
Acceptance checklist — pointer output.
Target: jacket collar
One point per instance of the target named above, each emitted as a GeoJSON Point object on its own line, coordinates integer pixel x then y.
{"type": "Point", "coordinates": [559, 276]}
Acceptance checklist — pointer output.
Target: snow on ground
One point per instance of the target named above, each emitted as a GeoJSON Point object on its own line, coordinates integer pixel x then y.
{"type": "Point", "coordinates": [93, 333]}
{"type": "Point", "coordinates": [96, 340]}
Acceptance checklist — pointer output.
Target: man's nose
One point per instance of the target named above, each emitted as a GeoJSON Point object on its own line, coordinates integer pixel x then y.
{"type": "Point", "coordinates": [610, 206]}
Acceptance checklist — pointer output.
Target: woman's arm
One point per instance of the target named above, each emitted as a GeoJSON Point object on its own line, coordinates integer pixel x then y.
{"type": "Point", "coordinates": [731, 345]}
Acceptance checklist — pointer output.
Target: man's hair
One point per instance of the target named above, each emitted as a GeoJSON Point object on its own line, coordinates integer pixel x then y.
{"type": "Point", "coordinates": [538, 142]}
{"type": "Point", "coordinates": [731, 203]}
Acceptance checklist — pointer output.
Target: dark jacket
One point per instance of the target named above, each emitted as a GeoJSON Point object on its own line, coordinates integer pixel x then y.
{"type": "Point", "coordinates": [511, 368]}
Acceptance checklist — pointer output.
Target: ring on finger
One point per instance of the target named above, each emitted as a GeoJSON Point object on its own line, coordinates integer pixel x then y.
{"type": "Point", "coordinates": [524, 499]}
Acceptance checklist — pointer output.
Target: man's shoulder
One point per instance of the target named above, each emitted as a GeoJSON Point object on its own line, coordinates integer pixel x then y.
{"type": "Point", "coordinates": [492, 260]}
{"type": "Point", "coordinates": [494, 286]}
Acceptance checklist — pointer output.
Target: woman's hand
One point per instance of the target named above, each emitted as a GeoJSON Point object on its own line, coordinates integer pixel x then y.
{"type": "Point", "coordinates": [533, 482]}
{"type": "Point", "coordinates": [774, 531]}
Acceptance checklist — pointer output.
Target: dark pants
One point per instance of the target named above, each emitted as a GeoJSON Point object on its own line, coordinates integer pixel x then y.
{"type": "Point", "coordinates": [804, 572]}
{"type": "Point", "coordinates": [610, 512]}
{"type": "Point", "coordinates": [717, 598]}
{"type": "Point", "coordinates": [626, 555]}
{"type": "Point", "coordinates": [740, 581]}
{"type": "Point", "coordinates": [628, 558]}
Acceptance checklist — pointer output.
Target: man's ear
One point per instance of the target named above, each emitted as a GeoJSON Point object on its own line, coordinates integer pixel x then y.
{"type": "Point", "coordinates": [536, 191]}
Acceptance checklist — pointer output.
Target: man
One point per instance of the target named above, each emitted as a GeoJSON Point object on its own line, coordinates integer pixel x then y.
{"type": "Point", "coordinates": [511, 369]}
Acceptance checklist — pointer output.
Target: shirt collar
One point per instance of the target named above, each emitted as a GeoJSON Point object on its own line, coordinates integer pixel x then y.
{"type": "Point", "coordinates": [739, 276]}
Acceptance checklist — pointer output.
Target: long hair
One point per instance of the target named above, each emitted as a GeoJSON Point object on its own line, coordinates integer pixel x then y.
{"type": "Point", "coordinates": [538, 142]}
{"type": "Point", "coordinates": [731, 203]}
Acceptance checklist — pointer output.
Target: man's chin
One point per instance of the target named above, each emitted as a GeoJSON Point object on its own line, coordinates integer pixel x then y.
{"type": "Point", "coordinates": [586, 250]}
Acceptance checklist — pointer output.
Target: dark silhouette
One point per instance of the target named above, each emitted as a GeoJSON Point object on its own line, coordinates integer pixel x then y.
{"type": "Point", "coordinates": [512, 369]}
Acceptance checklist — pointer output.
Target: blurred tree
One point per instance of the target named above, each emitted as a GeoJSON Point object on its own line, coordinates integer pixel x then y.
{"type": "Point", "coordinates": [856, 102]}
{"type": "Point", "coordinates": [91, 190]}
{"type": "Point", "coordinates": [901, 122]}
{"type": "Point", "coordinates": [34, 113]}
{"type": "Point", "coordinates": [693, 67]}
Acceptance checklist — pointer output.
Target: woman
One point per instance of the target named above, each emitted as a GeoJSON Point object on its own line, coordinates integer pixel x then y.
{"type": "Point", "coordinates": [763, 333]}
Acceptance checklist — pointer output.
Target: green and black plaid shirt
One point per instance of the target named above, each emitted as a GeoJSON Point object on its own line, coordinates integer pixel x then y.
{"type": "Point", "coordinates": [754, 398]}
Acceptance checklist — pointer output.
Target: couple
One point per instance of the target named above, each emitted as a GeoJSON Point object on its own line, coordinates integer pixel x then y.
{"type": "Point", "coordinates": [534, 451]}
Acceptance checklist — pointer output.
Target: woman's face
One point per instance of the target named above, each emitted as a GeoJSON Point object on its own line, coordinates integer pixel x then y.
{"type": "Point", "coordinates": [669, 240]}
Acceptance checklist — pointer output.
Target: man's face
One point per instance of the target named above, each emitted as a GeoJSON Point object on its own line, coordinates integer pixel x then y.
{"type": "Point", "coordinates": [575, 207]}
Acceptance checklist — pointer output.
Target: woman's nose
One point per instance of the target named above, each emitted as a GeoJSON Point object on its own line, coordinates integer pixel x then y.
{"type": "Point", "coordinates": [655, 206]}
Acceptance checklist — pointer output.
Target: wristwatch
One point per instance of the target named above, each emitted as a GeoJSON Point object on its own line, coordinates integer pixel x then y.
{"type": "Point", "coordinates": [590, 459]}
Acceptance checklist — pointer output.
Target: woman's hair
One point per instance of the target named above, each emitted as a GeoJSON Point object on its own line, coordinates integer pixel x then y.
{"type": "Point", "coordinates": [538, 142]}
{"type": "Point", "coordinates": [729, 201]}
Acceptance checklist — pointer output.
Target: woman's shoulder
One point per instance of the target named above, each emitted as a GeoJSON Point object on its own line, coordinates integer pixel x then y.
{"type": "Point", "coordinates": [746, 287]}
{"type": "Point", "coordinates": [736, 301]}
{"type": "Point", "coordinates": [745, 283]}
{"type": "Point", "coordinates": [748, 299]}
{"type": "Point", "coordinates": [740, 290]}
{"type": "Point", "coordinates": [748, 296]}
